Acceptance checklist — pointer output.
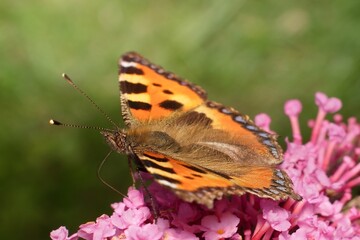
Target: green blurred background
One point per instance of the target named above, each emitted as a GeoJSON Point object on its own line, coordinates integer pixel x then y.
{"type": "Point", "coordinates": [252, 55]}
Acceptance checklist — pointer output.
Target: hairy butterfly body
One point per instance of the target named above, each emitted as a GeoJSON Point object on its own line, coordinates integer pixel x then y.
{"type": "Point", "coordinates": [199, 149]}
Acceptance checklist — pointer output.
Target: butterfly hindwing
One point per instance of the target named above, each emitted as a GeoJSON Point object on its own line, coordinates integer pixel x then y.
{"type": "Point", "coordinates": [149, 92]}
{"type": "Point", "coordinates": [195, 183]}
{"type": "Point", "coordinates": [266, 150]}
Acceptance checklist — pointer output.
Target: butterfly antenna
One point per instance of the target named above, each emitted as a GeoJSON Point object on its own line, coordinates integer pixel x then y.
{"type": "Point", "coordinates": [68, 79]}
{"type": "Point", "coordinates": [57, 123]}
{"type": "Point", "coordinates": [103, 181]}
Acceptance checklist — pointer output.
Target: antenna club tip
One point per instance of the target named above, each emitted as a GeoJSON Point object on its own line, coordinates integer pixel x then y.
{"type": "Point", "coordinates": [54, 122]}
{"type": "Point", "coordinates": [67, 78]}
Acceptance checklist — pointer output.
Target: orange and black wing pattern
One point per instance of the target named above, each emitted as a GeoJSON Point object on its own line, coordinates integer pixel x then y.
{"type": "Point", "coordinates": [202, 185]}
{"type": "Point", "coordinates": [148, 92]}
{"type": "Point", "coordinates": [264, 145]}
{"type": "Point", "coordinates": [256, 172]}
{"type": "Point", "coordinates": [248, 154]}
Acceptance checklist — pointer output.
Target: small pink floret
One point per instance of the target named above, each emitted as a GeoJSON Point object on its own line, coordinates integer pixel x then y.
{"type": "Point", "coordinates": [175, 234]}
{"type": "Point", "coordinates": [62, 234]}
{"type": "Point", "coordinates": [217, 228]}
{"type": "Point", "coordinates": [144, 232]}
{"type": "Point", "coordinates": [131, 217]}
{"type": "Point", "coordinates": [275, 215]}
{"type": "Point", "coordinates": [135, 198]}
{"type": "Point", "coordinates": [329, 105]}
{"type": "Point", "coordinates": [263, 120]}
{"type": "Point", "coordinates": [293, 107]}
{"type": "Point", "coordinates": [98, 230]}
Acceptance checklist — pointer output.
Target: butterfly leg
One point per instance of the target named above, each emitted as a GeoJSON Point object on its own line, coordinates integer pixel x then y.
{"type": "Point", "coordinates": [136, 174]}
{"type": "Point", "coordinates": [152, 201]}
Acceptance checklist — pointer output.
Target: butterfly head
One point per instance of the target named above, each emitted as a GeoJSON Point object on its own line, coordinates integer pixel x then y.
{"type": "Point", "coordinates": [116, 140]}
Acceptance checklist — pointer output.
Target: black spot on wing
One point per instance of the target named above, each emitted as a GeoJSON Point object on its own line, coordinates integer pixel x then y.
{"type": "Point", "coordinates": [128, 87]}
{"type": "Point", "coordinates": [168, 92]}
{"type": "Point", "coordinates": [163, 159]}
{"type": "Point", "coordinates": [131, 70]}
{"type": "Point", "coordinates": [170, 105]}
{"type": "Point", "coordinates": [194, 168]}
{"type": "Point", "coordinates": [139, 105]}
{"type": "Point", "coordinates": [196, 175]}
{"type": "Point", "coordinates": [205, 171]}
{"type": "Point", "coordinates": [151, 164]}
{"type": "Point", "coordinates": [156, 84]}
{"type": "Point", "coordinates": [170, 180]}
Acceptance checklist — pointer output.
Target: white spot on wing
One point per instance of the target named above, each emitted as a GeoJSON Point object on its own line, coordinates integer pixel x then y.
{"type": "Point", "coordinates": [127, 64]}
{"type": "Point", "coordinates": [166, 183]}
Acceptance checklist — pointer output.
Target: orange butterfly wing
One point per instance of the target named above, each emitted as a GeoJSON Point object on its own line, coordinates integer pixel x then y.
{"type": "Point", "coordinates": [195, 183]}
{"type": "Point", "coordinates": [256, 173]}
{"type": "Point", "coordinates": [246, 133]}
{"type": "Point", "coordinates": [149, 92]}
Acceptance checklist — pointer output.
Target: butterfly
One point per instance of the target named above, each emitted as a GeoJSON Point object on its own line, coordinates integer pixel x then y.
{"type": "Point", "coordinates": [199, 149]}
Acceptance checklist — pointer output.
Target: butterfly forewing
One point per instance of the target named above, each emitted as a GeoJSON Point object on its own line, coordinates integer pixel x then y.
{"type": "Point", "coordinates": [149, 92]}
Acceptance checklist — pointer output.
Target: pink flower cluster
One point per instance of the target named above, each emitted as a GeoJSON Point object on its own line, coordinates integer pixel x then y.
{"type": "Point", "coordinates": [324, 171]}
